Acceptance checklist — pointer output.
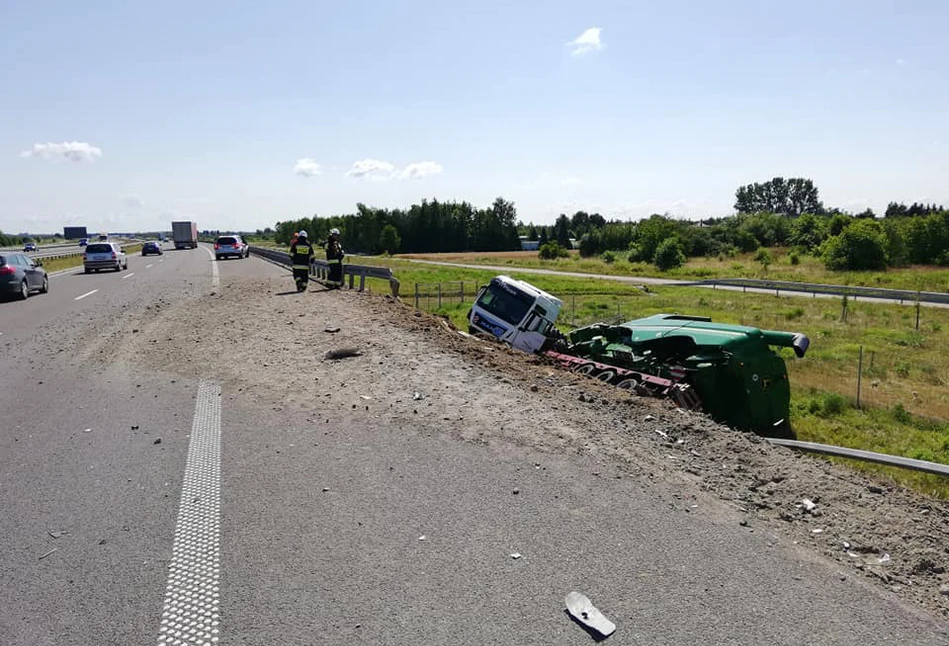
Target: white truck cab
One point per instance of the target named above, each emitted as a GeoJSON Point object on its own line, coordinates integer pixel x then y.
{"type": "Point", "coordinates": [515, 312]}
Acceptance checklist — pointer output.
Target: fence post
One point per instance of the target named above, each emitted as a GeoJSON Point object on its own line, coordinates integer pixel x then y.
{"type": "Point", "coordinates": [917, 310]}
{"type": "Point", "coordinates": [462, 292]}
{"type": "Point", "coordinates": [439, 295]}
{"type": "Point", "coordinates": [416, 295]}
{"type": "Point", "coordinates": [859, 375]}
{"type": "Point", "coordinates": [573, 312]}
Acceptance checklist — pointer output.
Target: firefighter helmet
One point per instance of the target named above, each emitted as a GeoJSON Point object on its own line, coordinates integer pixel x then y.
{"type": "Point", "coordinates": [302, 234]}
{"type": "Point", "coordinates": [334, 232]}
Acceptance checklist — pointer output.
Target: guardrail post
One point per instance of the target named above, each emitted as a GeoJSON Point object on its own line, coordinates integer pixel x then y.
{"type": "Point", "coordinates": [416, 295]}
{"type": "Point", "coordinates": [362, 279]}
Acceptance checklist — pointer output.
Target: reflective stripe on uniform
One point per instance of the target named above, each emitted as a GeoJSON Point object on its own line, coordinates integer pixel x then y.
{"type": "Point", "coordinates": [301, 266]}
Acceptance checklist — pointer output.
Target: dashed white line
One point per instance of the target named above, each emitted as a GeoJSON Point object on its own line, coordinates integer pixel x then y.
{"type": "Point", "coordinates": [128, 275]}
{"type": "Point", "coordinates": [191, 613]}
{"type": "Point", "coordinates": [86, 294]}
{"type": "Point", "coordinates": [215, 277]}
{"type": "Point", "coordinates": [149, 266]}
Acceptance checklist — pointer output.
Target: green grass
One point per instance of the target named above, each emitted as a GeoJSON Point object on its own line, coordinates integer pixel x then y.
{"type": "Point", "coordinates": [903, 397]}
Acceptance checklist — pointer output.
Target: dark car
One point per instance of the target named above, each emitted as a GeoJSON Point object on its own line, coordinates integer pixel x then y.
{"type": "Point", "coordinates": [83, 242]}
{"type": "Point", "coordinates": [20, 275]}
{"type": "Point", "coordinates": [151, 247]}
{"type": "Point", "coordinates": [29, 246]}
{"type": "Point", "coordinates": [226, 246]}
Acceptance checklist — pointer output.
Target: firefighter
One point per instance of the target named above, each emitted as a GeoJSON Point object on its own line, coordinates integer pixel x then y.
{"type": "Point", "coordinates": [301, 252]}
{"type": "Point", "coordinates": [334, 257]}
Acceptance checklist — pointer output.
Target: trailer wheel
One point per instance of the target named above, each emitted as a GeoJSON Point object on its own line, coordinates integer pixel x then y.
{"type": "Point", "coordinates": [606, 376]}
{"type": "Point", "coordinates": [628, 384]}
{"type": "Point", "coordinates": [585, 369]}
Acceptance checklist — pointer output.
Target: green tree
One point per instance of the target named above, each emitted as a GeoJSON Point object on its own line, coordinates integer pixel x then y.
{"type": "Point", "coordinates": [532, 233]}
{"type": "Point", "coordinates": [589, 244]}
{"type": "Point", "coordinates": [791, 197]}
{"type": "Point", "coordinates": [389, 239]}
{"type": "Point", "coordinates": [542, 239]}
{"type": "Point", "coordinates": [562, 231]}
{"type": "Point", "coordinates": [669, 255]}
{"type": "Point", "coordinates": [652, 232]}
{"type": "Point", "coordinates": [860, 246]}
{"type": "Point", "coordinates": [807, 232]}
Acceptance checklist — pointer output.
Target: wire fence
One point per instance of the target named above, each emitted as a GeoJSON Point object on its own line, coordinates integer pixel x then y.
{"type": "Point", "coordinates": [579, 308]}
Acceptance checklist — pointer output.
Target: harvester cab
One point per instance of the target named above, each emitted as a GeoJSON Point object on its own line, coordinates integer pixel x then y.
{"type": "Point", "coordinates": [514, 312]}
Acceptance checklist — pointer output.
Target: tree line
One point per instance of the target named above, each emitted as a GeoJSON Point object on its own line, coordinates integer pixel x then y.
{"type": "Point", "coordinates": [431, 226]}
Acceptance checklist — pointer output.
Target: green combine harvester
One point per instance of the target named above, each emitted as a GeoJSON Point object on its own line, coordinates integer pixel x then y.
{"type": "Point", "coordinates": [731, 372]}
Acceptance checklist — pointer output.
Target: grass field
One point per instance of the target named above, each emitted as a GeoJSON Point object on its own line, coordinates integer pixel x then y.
{"type": "Point", "coordinates": [903, 402]}
{"type": "Point", "coordinates": [808, 269]}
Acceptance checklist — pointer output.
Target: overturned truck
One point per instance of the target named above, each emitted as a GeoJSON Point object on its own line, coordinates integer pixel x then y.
{"type": "Point", "coordinates": [730, 372]}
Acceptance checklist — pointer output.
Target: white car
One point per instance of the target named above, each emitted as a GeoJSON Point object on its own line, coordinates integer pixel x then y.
{"type": "Point", "coordinates": [104, 255]}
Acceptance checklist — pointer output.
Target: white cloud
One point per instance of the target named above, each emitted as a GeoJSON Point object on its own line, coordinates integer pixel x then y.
{"type": "Point", "coordinates": [419, 170]}
{"type": "Point", "coordinates": [133, 201]}
{"type": "Point", "coordinates": [306, 167]}
{"type": "Point", "coordinates": [588, 41]}
{"type": "Point", "coordinates": [372, 168]}
{"type": "Point", "coordinates": [571, 181]}
{"type": "Point", "coordinates": [76, 151]}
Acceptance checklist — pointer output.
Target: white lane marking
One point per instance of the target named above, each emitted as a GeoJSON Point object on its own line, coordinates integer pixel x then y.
{"type": "Point", "coordinates": [128, 275]}
{"type": "Point", "coordinates": [149, 266]}
{"type": "Point", "coordinates": [161, 260]}
{"type": "Point", "coordinates": [215, 278]}
{"type": "Point", "coordinates": [86, 294]}
{"type": "Point", "coordinates": [191, 613]}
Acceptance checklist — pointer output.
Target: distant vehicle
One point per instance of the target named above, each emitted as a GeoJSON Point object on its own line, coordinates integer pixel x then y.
{"type": "Point", "coordinates": [103, 237]}
{"type": "Point", "coordinates": [185, 234]}
{"type": "Point", "coordinates": [20, 275]}
{"type": "Point", "coordinates": [104, 255]}
{"type": "Point", "coordinates": [227, 246]}
{"type": "Point", "coordinates": [83, 242]}
{"type": "Point", "coordinates": [29, 246]}
{"type": "Point", "coordinates": [152, 246]}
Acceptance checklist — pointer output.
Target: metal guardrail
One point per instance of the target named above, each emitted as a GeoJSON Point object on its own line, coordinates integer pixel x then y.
{"type": "Point", "coordinates": [866, 456]}
{"type": "Point", "coordinates": [319, 269]}
{"type": "Point", "coordinates": [833, 290]}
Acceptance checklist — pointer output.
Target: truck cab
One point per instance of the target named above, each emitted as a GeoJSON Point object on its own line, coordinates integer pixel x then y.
{"type": "Point", "coordinates": [514, 312]}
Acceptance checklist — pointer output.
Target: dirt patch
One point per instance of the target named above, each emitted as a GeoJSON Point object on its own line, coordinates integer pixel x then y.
{"type": "Point", "coordinates": [398, 366]}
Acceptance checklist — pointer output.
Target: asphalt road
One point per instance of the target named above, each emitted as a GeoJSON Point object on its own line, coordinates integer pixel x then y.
{"type": "Point", "coordinates": [260, 526]}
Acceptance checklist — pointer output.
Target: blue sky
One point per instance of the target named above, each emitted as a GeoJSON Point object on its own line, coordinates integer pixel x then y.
{"type": "Point", "coordinates": [123, 116]}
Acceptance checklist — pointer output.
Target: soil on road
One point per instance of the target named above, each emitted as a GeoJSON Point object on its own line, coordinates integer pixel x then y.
{"type": "Point", "coordinates": [411, 366]}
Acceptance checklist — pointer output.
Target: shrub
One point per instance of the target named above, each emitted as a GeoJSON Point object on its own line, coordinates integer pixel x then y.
{"type": "Point", "coordinates": [669, 255]}
{"type": "Point", "coordinates": [764, 257]}
{"type": "Point", "coordinates": [794, 258]}
{"type": "Point", "coordinates": [552, 251]}
{"type": "Point", "coordinates": [608, 257]}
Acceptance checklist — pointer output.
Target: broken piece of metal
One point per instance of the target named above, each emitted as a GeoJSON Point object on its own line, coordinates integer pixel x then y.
{"type": "Point", "coordinates": [581, 609]}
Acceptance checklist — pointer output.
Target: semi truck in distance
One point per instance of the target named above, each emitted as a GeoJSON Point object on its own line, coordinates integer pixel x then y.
{"type": "Point", "coordinates": [185, 234]}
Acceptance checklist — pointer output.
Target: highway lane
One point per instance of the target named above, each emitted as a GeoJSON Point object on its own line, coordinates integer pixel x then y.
{"type": "Point", "coordinates": [317, 529]}
{"type": "Point", "coordinates": [89, 499]}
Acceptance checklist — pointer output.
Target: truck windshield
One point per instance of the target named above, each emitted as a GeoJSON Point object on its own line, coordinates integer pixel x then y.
{"type": "Point", "coordinates": [508, 303]}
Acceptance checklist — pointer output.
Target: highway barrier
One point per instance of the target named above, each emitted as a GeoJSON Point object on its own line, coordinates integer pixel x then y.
{"type": "Point", "coordinates": [901, 295]}
{"type": "Point", "coordinates": [319, 269]}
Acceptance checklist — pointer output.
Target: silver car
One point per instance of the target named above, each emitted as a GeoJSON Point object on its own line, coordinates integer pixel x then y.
{"type": "Point", "coordinates": [227, 246]}
{"type": "Point", "coordinates": [104, 255]}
